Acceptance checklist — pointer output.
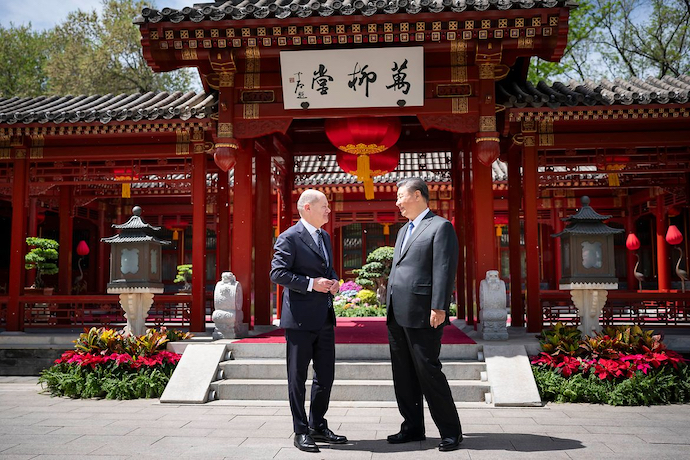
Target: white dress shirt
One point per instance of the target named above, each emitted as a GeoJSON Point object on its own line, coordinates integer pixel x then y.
{"type": "Point", "coordinates": [415, 223]}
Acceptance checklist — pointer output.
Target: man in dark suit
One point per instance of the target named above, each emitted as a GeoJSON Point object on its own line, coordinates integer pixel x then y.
{"type": "Point", "coordinates": [303, 265]}
{"type": "Point", "coordinates": [419, 292]}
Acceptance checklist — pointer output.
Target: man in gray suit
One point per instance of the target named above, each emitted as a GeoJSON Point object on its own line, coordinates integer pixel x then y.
{"type": "Point", "coordinates": [418, 298]}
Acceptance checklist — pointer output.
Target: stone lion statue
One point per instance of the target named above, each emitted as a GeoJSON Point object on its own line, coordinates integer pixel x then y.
{"type": "Point", "coordinates": [492, 303]}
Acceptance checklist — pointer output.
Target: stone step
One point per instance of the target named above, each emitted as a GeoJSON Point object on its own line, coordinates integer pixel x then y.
{"type": "Point", "coordinates": [271, 368]}
{"type": "Point", "coordinates": [343, 390]}
{"type": "Point", "coordinates": [350, 351]}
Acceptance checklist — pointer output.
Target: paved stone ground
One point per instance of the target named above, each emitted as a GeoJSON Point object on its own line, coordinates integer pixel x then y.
{"type": "Point", "coordinates": [36, 426]}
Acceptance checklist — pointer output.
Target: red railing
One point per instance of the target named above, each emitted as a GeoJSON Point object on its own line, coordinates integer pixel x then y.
{"type": "Point", "coordinates": [100, 310]}
{"type": "Point", "coordinates": [644, 308]}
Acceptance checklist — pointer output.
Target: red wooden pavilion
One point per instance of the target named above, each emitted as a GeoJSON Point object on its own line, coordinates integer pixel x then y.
{"type": "Point", "coordinates": [71, 166]}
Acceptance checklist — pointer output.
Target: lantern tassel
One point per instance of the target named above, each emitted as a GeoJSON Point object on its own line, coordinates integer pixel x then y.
{"type": "Point", "coordinates": [364, 175]}
{"type": "Point", "coordinates": [126, 190]}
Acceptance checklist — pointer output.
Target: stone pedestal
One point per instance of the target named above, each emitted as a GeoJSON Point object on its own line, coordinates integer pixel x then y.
{"type": "Point", "coordinates": [493, 315]}
{"type": "Point", "coordinates": [227, 315]}
{"type": "Point", "coordinates": [589, 299]}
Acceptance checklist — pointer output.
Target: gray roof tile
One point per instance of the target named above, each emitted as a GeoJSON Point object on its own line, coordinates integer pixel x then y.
{"type": "Point", "coordinates": [258, 9]}
{"type": "Point", "coordinates": [106, 108]}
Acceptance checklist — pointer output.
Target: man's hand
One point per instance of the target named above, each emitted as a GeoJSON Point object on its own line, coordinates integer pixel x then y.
{"type": "Point", "coordinates": [437, 317]}
{"type": "Point", "coordinates": [322, 285]}
{"type": "Point", "coordinates": [335, 287]}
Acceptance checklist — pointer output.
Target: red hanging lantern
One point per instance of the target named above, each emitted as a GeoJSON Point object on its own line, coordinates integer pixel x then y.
{"type": "Point", "coordinates": [488, 147]}
{"type": "Point", "coordinates": [363, 135]}
{"type": "Point", "coordinates": [632, 243]}
{"type": "Point", "coordinates": [673, 235]}
{"type": "Point", "coordinates": [364, 139]}
{"type": "Point", "coordinates": [225, 156]}
{"type": "Point", "coordinates": [376, 165]}
{"type": "Point", "coordinates": [83, 248]}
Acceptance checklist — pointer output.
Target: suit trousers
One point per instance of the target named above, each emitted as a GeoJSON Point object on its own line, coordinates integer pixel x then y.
{"type": "Point", "coordinates": [303, 347]}
{"type": "Point", "coordinates": [416, 373]}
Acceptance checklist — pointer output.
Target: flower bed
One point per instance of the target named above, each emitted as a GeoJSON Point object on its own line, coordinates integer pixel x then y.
{"type": "Point", "coordinates": [108, 364]}
{"type": "Point", "coordinates": [619, 366]}
{"type": "Point", "coordinates": [353, 301]}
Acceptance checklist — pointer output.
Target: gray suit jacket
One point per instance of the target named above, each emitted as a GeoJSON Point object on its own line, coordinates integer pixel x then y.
{"type": "Point", "coordinates": [423, 275]}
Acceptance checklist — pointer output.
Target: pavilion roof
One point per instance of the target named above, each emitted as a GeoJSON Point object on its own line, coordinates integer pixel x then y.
{"type": "Point", "coordinates": [667, 90]}
{"type": "Point", "coordinates": [432, 167]}
{"type": "Point", "coordinates": [259, 9]}
{"type": "Point", "coordinates": [106, 108]}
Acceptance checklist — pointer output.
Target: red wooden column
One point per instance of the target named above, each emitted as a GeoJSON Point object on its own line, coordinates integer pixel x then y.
{"type": "Point", "coordinates": [263, 237]}
{"type": "Point", "coordinates": [285, 206]}
{"type": "Point", "coordinates": [198, 319]}
{"type": "Point", "coordinates": [223, 234]}
{"type": "Point", "coordinates": [243, 228]}
{"type": "Point", "coordinates": [467, 212]}
{"type": "Point", "coordinates": [20, 189]}
{"type": "Point", "coordinates": [65, 249]}
{"type": "Point", "coordinates": [559, 225]}
{"type": "Point", "coordinates": [661, 245]}
{"type": "Point", "coordinates": [460, 228]}
{"type": "Point", "coordinates": [103, 249]}
{"type": "Point", "coordinates": [517, 308]}
{"type": "Point", "coordinates": [483, 219]}
{"type": "Point", "coordinates": [32, 231]}
{"type": "Point", "coordinates": [531, 189]}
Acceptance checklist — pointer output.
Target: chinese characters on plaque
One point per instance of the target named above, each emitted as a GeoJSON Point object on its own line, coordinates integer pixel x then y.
{"type": "Point", "coordinates": [378, 77]}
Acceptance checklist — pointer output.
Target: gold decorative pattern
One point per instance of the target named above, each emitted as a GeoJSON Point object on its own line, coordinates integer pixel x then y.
{"type": "Point", "coordinates": [529, 126]}
{"type": "Point", "coordinates": [487, 123]}
{"type": "Point", "coordinates": [189, 54]}
{"type": "Point", "coordinates": [225, 130]}
{"type": "Point", "coordinates": [198, 148]}
{"type": "Point", "coordinates": [546, 132]}
{"type": "Point", "coordinates": [197, 134]}
{"type": "Point", "coordinates": [20, 154]}
{"type": "Point", "coordinates": [587, 114]}
{"type": "Point", "coordinates": [182, 146]}
{"type": "Point", "coordinates": [458, 61]}
{"type": "Point", "coordinates": [371, 28]}
{"type": "Point", "coordinates": [251, 111]}
{"type": "Point", "coordinates": [37, 143]}
{"type": "Point", "coordinates": [153, 35]}
{"type": "Point", "coordinates": [525, 42]}
{"type": "Point", "coordinates": [253, 67]}
{"type": "Point", "coordinates": [486, 72]}
{"type": "Point", "coordinates": [5, 147]}
{"type": "Point", "coordinates": [98, 129]}
{"type": "Point", "coordinates": [199, 33]}
{"type": "Point", "coordinates": [184, 34]}
{"type": "Point", "coordinates": [529, 141]}
{"type": "Point", "coordinates": [226, 79]}
{"type": "Point", "coordinates": [460, 105]}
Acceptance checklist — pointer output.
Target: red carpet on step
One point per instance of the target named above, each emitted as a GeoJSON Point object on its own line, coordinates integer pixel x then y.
{"type": "Point", "coordinates": [362, 331]}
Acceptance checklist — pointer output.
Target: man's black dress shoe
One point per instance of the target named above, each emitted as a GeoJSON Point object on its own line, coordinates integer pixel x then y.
{"type": "Point", "coordinates": [401, 437]}
{"type": "Point", "coordinates": [451, 443]}
{"type": "Point", "coordinates": [326, 435]}
{"type": "Point", "coordinates": [305, 443]}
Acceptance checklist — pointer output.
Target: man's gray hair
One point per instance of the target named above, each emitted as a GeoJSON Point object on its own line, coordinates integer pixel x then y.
{"type": "Point", "coordinates": [309, 196]}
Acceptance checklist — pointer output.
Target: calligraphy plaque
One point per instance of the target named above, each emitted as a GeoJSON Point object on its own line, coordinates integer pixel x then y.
{"type": "Point", "coordinates": [374, 77]}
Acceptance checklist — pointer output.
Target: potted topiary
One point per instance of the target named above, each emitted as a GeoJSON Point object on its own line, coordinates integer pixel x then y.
{"type": "Point", "coordinates": [184, 275]}
{"type": "Point", "coordinates": [42, 257]}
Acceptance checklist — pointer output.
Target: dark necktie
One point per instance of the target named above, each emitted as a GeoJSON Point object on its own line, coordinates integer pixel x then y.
{"type": "Point", "coordinates": [322, 248]}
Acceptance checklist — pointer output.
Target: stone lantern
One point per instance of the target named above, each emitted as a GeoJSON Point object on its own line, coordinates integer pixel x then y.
{"type": "Point", "coordinates": [135, 269]}
{"type": "Point", "coordinates": [587, 263]}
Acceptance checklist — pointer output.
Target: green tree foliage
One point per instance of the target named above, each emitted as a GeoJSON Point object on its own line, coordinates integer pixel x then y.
{"type": "Point", "coordinates": [23, 56]}
{"type": "Point", "coordinates": [623, 38]}
{"type": "Point", "coordinates": [374, 274]}
{"type": "Point", "coordinates": [96, 54]}
{"type": "Point", "coordinates": [42, 257]}
{"type": "Point", "coordinates": [88, 53]}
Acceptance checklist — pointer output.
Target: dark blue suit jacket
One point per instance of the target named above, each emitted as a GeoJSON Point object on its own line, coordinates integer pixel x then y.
{"type": "Point", "coordinates": [297, 257]}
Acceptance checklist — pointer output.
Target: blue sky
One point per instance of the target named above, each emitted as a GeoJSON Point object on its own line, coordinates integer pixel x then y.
{"type": "Point", "coordinates": [44, 14]}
